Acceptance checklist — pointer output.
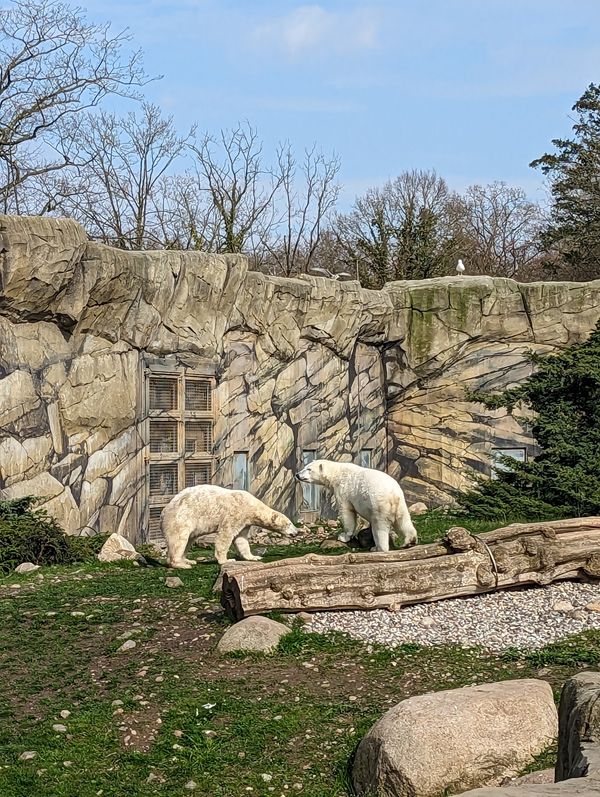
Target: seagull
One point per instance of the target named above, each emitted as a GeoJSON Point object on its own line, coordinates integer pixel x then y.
{"type": "Point", "coordinates": [460, 267]}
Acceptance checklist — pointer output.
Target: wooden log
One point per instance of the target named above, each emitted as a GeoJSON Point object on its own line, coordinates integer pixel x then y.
{"type": "Point", "coordinates": [460, 564]}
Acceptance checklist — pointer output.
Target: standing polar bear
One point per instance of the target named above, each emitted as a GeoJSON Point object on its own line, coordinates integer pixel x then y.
{"type": "Point", "coordinates": [198, 513]}
{"type": "Point", "coordinates": [370, 494]}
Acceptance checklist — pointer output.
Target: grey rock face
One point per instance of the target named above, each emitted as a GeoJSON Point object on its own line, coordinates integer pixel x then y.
{"type": "Point", "coordinates": [302, 364]}
{"type": "Point", "coordinates": [579, 725]}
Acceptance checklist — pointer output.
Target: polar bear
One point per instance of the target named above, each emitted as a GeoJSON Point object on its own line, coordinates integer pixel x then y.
{"type": "Point", "coordinates": [365, 492]}
{"type": "Point", "coordinates": [197, 512]}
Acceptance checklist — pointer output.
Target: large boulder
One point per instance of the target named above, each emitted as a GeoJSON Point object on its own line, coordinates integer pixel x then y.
{"type": "Point", "coordinates": [579, 726]}
{"type": "Point", "coordinates": [460, 739]}
{"type": "Point", "coordinates": [253, 633]}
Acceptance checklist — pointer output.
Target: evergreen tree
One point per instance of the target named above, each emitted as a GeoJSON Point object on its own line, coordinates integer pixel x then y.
{"type": "Point", "coordinates": [564, 479]}
{"type": "Point", "coordinates": [572, 235]}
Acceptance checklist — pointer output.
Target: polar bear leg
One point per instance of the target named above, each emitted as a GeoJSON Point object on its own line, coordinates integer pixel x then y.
{"type": "Point", "coordinates": [225, 537]}
{"type": "Point", "coordinates": [381, 535]}
{"type": "Point", "coordinates": [177, 544]}
{"type": "Point", "coordinates": [243, 547]}
{"type": "Point", "coordinates": [348, 518]}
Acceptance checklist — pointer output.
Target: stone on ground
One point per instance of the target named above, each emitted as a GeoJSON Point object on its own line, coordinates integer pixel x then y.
{"type": "Point", "coordinates": [117, 548]}
{"type": "Point", "coordinates": [455, 740]}
{"type": "Point", "coordinates": [28, 755]}
{"type": "Point", "coordinates": [332, 545]}
{"type": "Point", "coordinates": [26, 567]}
{"type": "Point", "coordinates": [418, 509]}
{"type": "Point", "coordinates": [173, 582]}
{"type": "Point", "coordinates": [253, 633]}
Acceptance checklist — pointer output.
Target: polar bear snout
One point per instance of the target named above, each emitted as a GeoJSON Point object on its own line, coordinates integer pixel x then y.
{"type": "Point", "coordinates": [303, 475]}
{"type": "Point", "coordinates": [291, 531]}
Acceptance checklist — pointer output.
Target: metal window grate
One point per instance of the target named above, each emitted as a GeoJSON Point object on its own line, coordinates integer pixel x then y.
{"type": "Point", "coordinates": [163, 479]}
{"type": "Point", "coordinates": [198, 438]}
{"type": "Point", "coordinates": [197, 474]}
{"type": "Point", "coordinates": [163, 436]}
{"type": "Point", "coordinates": [154, 528]}
{"type": "Point", "coordinates": [198, 395]}
{"type": "Point", "coordinates": [163, 393]}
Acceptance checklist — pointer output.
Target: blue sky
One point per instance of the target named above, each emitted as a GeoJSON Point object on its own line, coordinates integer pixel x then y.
{"type": "Point", "coordinates": [472, 88]}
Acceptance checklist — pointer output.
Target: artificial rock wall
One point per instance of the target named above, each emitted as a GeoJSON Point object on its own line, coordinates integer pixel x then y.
{"type": "Point", "coordinates": [307, 363]}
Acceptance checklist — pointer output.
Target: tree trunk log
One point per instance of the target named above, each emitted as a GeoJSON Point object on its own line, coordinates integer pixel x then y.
{"type": "Point", "coordinates": [460, 564]}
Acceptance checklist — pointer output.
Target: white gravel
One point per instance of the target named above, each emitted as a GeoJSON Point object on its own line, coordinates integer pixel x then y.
{"type": "Point", "coordinates": [526, 618]}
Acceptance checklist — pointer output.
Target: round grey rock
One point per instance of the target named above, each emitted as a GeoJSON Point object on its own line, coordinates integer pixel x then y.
{"type": "Point", "coordinates": [252, 634]}
{"type": "Point", "coordinates": [26, 567]}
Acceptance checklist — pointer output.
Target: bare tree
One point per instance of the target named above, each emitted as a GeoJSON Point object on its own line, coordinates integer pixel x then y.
{"type": "Point", "coordinates": [241, 188]}
{"type": "Point", "coordinates": [399, 231]}
{"type": "Point", "coordinates": [499, 230]}
{"type": "Point", "coordinates": [307, 193]}
{"type": "Point", "coordinates": [118, 189]}
{"type": "Point", "coordinates": [53, 64]}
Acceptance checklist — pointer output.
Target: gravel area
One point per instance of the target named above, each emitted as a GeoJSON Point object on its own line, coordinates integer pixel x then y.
{"type": "Point", "coordinates": [526, 618]}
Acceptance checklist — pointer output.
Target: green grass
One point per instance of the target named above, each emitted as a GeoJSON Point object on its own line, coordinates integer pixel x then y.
{"type": "Point", "coordinates": [295, 715]}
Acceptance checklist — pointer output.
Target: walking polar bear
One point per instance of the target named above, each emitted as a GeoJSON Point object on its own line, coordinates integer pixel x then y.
{"type": "Point", "coordinates": [367, 493]}
{"type": "Point", "coordinates": [198, 513]}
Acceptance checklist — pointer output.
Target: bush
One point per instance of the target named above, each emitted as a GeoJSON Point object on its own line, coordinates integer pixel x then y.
{"type": "Point", "coordinates": [31, 535]}
{"type": "Point", "coordinates": [564, 479]}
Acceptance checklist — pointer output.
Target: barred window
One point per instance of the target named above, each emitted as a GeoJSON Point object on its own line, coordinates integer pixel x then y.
{"type": "Point", "coordinates": [180, 436]}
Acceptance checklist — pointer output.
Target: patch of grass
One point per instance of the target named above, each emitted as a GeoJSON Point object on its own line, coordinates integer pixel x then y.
{"type": "Point", "coordinates": [545, 760]}
{"type": "Point", "coordinates": [581, 649]}
{"type": "Point", "coordinates": [295, 716]}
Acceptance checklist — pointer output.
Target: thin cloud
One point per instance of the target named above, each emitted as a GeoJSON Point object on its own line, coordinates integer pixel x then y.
{"type": "Point", "coordinates": [313, 29]}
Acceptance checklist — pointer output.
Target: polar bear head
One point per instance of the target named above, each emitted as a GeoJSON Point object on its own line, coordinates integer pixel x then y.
{"type": "Point", "coordinates": [314, 473]}
{"type": "Point", "coordinates": [280, 523]}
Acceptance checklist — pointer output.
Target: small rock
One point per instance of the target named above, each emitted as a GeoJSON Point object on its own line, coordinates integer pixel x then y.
{"type": "Point", "coordinates": [253, 633]}
{"type": "Point", "coordinates": [128, 645]}
{"type": "Point", "coordinates": [173, 582]}
{"type": "Point", "coordinates": [563, 606]}
{"type": "Point", "coordinates": [210, 734]}
{"type": "Point", "coordinates": [578, 614]}
{"type": "Point", "coordinates": [418, 509]}
{"type": "Point", "coordinates": [333, 524]}
{"type": "Point", "coordinates": [59, 728]}
{"type": "Point", "coordinates": [67, 763]}
{"type": "Point", "coordinates": [117, 703]}
{"type": "Point", "coordinates": [191, 785]}
{"type": "Point", "coordinates": [304, 617]}
{"type": "Point", "coordinates": [178, 734]}
{"type": "Point", "coordinates": [592, 607]}
{"type": "Point", "coordinates": [117, 548]}
{"type": "Point", "coordinates": [28, 755]}
{"type": "Point", "coordinates": [26, 567]}
{"type": "Point", "coordinates": [332, 545]}
{"type": "Point", "coordinates": [77, 614]}
{"type": "Point", "coordinates": [15, 586]}
{"type": "Point", "coordinates": [65, 713]}
{"type": "Point", "coordinates": [266, 777]}
{"type": "Point", "coordinates": [192, 609]}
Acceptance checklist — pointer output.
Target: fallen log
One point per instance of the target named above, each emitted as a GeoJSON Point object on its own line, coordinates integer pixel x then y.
{"type": "Point", "coordinates": [460, 564]}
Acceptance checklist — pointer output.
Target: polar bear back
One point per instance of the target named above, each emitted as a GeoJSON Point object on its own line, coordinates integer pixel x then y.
{"type": "Point", "coordinates": [365, 488]}
{"type": "Point", "coordinates": [202, 509]}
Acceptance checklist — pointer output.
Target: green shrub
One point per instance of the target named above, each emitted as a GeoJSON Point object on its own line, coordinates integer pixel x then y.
{"type": "Point", "coordinates": [564, 479]}
{"type": "Point", "coordinates": [31, 535]}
